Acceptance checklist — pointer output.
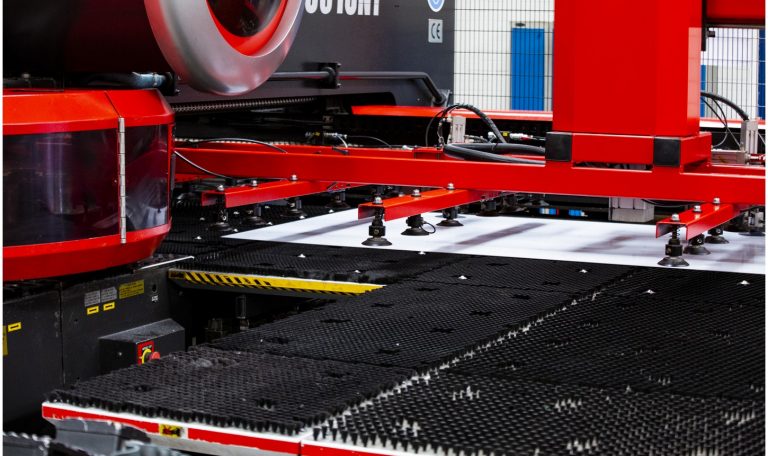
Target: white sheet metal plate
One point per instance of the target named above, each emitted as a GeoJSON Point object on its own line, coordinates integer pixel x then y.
{"type": "Point", "coordinates": [554, 239]}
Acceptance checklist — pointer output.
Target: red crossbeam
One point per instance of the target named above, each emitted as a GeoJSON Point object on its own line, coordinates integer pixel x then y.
{"type": "Point", "coordinates": [697, 222]}
{"type": "Point", "coordinates": [268, 191]}
{"type": "Point", "coordinates": [432, 200]}
{"type": "Point", "coordinates": [323, 164]}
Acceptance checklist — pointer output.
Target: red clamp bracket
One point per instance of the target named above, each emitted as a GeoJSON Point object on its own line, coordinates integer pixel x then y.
{"type": "Point", "coordinates": [432, 200]}
{"type": "Point", "coordinates": [269, 191]}
{"type": "Point", "coordinates": [699, 219]}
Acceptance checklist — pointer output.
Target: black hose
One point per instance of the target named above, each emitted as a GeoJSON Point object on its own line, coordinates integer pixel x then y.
{"type": "Point", "coordinates": [504, 148]}
{"type": "Point", "coordinates": [470, 152]}
{"type": "Point", "coordinates": [733, 105]}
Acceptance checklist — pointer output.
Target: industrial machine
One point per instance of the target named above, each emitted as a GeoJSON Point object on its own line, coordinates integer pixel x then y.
{"type": "Point", "coordinates": [143, 138]}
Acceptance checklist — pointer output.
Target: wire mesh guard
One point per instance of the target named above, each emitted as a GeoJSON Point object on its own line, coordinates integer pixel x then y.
{"type": "Point", "coordinates": [504, 49]}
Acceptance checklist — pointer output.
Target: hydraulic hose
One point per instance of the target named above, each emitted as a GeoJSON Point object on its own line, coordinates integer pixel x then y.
{"type": "Point", "coordinates": [477, 152]}
{"type": "Point", "coordinates": [733, 105]}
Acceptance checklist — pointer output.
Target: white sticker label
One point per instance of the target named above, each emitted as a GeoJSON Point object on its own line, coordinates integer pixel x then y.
{"type": "Point", "coordinates": [108, 294]}
{"type": "Point", "coordinates": [435, 31]}
{"type": "Point", "coordinates": [92, 298]}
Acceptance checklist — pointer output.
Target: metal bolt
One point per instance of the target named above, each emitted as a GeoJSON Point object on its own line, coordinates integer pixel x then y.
{"type": "Point", "coordinates": [254, 183]}
{"type": "Point", "coordinates": [450, 186]}
{"type": "Point", "coordinates": [377, 200]}
{"type": "Point", "coordinates": [416, 193]}
{"type": "Point", "coordinates": [716, 201]}
{"type": "Point", "coordinates": [697, 208]}
{"type": "Point", "coordinates": [294, 178]}
{"type": "Point", "coordinates": [220, 188]}
{"type": "Point", "coordinates": [675, 217]}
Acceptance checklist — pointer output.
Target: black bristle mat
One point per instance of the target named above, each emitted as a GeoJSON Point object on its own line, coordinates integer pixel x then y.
{"type": "Point", "coordinates": [694, 286]}
{"type": "Point", "coordinates": [251, 391]}
{"type": "Point", "coordinates": [408, 324]}
{"type": "Point", "coordinates": [449, 414]}
{"type": "Point", "coordinates": [528, 274]}
{"type": "Point", "coordinates": [641, 344]}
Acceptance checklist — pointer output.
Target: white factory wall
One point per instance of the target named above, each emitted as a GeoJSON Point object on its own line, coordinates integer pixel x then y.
{"type": "Point", "coordinates": [483, 56]}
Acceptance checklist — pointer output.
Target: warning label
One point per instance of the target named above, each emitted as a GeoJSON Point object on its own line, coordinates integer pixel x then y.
{"type": "Point", "coordinates": [92, 298]}
{"type": "Point", "coordinates": [108, 294]}
{"type": "Point", "coordinates": [131, 289]}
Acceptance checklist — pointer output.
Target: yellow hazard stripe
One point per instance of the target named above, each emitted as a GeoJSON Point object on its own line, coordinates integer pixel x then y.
{"type": "Point", "coordinates": [272, 283]}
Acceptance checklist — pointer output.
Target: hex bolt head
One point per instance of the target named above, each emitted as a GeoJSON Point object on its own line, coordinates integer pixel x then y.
{"type": "Point", "coordinates": [254, 183]}
{"type": "Point", "coordinates": [220, 188]}
{"type": "Point", "coordinates": [675, 217]}
{"type": "Point", "coordinates": [450, 186]}
{"type": "Point", "coordinates": [716, 201]}
{"type": "Point", "coordinates": [416, 193]}
{"type": "Point", "coordinates": [697, 208]}
{"type": "Point", "coordinates": [378, 200]}
{"type": "Point", "coordinates": [294, 178]}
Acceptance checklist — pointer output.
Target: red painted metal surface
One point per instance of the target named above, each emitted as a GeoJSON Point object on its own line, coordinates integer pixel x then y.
{"type": "Point", "coordinates": [51, 412]}
{"type": "Point", "coordinates": [42, 112]}
{"type": "Point", "coordinates": [141, 108]}
{"type": "Point", "coordinates": [73, 257]}
{"type": "Point", "coordinates": [736, 12]}
{"type": "Point", "coordinates": [554, 178]}
{"type": "Point", "coordinates": [268, 191]}
{"type": "Point", "coordinates": [191, 432]}
{"type": "Point", "coordinates": [610, 79]}
{"type": "Point", "coordinates": [432, 200]}
{"type": "Point", "coordinates": [696, 223]}
{"type": "Point", "coordinates": [38, 112]}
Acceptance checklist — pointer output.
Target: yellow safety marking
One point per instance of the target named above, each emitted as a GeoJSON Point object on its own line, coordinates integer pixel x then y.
{"type": "Point", "coordinates": [92, 310]}
{"type": "Point", "coordinates": [108, 306]}
{"type": "Point", "coordinates": [167, 430]}
{"type": "Point", "coordinates": [131, 289]}
{"type": "Point", "coordinates": [14, 327]}
{"type": "Point", "coordinates": [272, 283]}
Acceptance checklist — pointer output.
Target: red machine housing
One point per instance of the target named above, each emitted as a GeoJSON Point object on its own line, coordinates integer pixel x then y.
{"type": "Point", "coordinates": [86, 181]}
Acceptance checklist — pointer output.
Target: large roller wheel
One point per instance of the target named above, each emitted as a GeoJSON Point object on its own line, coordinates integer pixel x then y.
{"type": "Point", "coordinates": [227, 47]}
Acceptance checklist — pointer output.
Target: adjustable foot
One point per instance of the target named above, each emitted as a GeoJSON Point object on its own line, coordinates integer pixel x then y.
{"type": "Point", "coordinates": [415, 226]}
{"type": "Point", "coordinates": [716, 236]}
{"type": "Point", "coordinates": [254, 219]}
{"type": "Point", "coordinates": [674, 253]}
{"type": "Point", "coordinates": [377, 230]}
{"type": "Point", "coordinates": [450, 217]}
{"type": "Point", "coordinates": [696, 246]}
{"type": "Point", "coordinates": [294, 209]}
{"type": "Point", "coordinates": [338, 201]}
{"type": "Point", "coordinates": [222, 223]}
{"type": "Point", "coordinates": [488, 209]}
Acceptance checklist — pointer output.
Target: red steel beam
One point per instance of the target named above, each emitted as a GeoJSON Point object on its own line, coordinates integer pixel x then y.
{"type": "Point", "coordinates": [698, 222]}
{"type": "Point", "coordinates": [432, 200]}
{"type": "Point", "coordinates": [554, 178]}
{"type": "Point", "coordinates": [268, 191]}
